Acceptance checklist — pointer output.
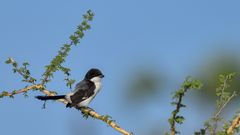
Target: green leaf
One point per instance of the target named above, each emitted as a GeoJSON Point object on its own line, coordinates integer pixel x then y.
{"type": "Point", "coordinates": [15, 64]}
{"type": "Point", "coordinates": [84, 22]}
{"type": "Point", "coordinates": [179, 119]}
{"type": "Point", "coordinates": [9, 61]}
{"type": "Point", "coordinates": [171, 120]}
{"type": "Point", "coordinates": [80, 33]}
{"type": "Point", "coordinates": [25, 64]}
{"type": "Point", "coordinates": [5, 93]}
{"type": "Point", "coordinates": [14, 92]}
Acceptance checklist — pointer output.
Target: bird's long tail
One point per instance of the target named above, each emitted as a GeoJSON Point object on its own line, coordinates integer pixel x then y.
{"type": "Point", "coordinates": [50, 97]}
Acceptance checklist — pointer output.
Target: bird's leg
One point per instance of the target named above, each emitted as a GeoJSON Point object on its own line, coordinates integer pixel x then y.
{"type": "Point", "coordinates": [85, 110]}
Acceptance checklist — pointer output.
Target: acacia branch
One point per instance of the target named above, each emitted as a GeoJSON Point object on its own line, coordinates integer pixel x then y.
{"type": "Point", "coordinates": [189, 83]}
{"type": "Point", "coordinates": [105, 118]}
{"type": "Point", "coordinates": [176, 111]}
{"type": "Point", "coordinates": [89, 112]}
{"type": "Point", "coordinates": [235, 124]}
{"type": "Point", "coordinates": [85, 111]}
{"type": "Point", "coordinates": [11, 94]}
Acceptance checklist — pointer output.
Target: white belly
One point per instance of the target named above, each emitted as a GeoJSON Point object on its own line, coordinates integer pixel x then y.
{"type": "Point", "coordinates": [88, 100]}
{"type": "Point", "coordinates": [85, 102]}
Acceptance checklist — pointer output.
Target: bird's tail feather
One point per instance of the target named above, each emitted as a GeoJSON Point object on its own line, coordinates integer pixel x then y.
{"type": "Point", "coordinates": [50, 97]}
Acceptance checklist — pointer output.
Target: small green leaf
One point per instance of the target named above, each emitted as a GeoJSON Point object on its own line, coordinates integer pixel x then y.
{"type": "Point", "coordinates": [9, 61]}
{"type": "Point", "coordinates": [5, 93]}
{"type": "Point", "coordinates": [14, 92]}
{"type": "Point", "coordinates": [171, 120]}
{"type": "Point", "coordinates": [15, 64]}
{"type": "Point", "coordinates": [25, 64]}
{"type": "Point", "coordinates": [84, 23]}
{"type": "Point", "coordinates": [179, 119]}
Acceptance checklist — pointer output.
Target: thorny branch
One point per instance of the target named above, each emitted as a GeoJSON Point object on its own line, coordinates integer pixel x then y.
{"type": "Point", "coordinates": [11, 94]}
{"type": "Point", "coordinates": [189, 83]}
{"type": "Point", "coordinates": [179, 103]}
{"type": "Point", "coordinates": [85, 111]}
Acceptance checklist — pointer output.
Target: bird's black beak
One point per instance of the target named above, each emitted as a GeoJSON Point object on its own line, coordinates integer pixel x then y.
{"type": "Point", "coordinates": [101, 76]}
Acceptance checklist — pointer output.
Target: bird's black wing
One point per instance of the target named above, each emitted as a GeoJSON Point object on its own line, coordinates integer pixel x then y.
{"type": "Point", "coordinates": [84, 90]}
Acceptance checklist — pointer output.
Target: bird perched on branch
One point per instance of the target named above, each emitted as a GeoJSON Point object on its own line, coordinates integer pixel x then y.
{"type": "Point", "coordinates": [84, 91]}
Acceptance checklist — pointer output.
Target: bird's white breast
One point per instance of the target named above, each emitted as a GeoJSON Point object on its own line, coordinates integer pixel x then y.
{"type": "Point", "coordinates": [98, 85]}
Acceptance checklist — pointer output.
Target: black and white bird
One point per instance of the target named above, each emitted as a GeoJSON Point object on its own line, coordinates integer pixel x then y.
{"type": "Point", "coordinates": [84, 91]}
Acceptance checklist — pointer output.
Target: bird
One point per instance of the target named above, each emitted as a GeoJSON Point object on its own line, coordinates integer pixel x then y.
{"type": "Point", "coordinates": [84, 91]}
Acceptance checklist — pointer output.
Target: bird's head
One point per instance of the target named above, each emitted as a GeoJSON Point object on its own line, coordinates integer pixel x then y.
{"type": "Point", "coordinates": [94, 74]}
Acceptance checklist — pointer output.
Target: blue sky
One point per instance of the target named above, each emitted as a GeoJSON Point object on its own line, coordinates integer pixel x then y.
{"type": "Point", "coordinates": [174, 37]}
